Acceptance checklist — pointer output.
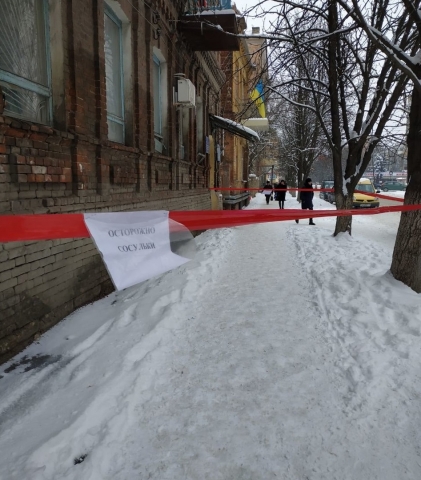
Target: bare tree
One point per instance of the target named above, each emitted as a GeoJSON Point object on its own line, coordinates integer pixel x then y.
{"type": "Point", "coordinates": [301, 136]}
{"type": "Point", "coordinates": [353, 87]}
{"type": "Point", "coordinates": [300, 141]}
{"type": "Point", "coordinates": [401, 16]}
{"type": "Point", "coordinates": [370, 52]}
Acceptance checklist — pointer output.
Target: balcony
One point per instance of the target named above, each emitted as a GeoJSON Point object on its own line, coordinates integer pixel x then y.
{"type": "Point", "coordinates": [207, 25]}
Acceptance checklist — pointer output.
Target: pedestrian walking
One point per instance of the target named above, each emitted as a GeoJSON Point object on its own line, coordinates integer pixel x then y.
{"type": "Point", "coordinates": [306, 197]}
{"type": "Point", "coordinates": [280, 194]}
{"type": "Point", "coordinates": [268, 191]}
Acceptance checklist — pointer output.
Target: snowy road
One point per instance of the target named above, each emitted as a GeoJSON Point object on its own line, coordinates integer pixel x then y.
{"type": "Point", "coordinates": [279, 352]}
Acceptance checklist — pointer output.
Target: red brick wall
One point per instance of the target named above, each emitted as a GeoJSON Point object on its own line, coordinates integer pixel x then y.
{"type": "Point", "coordinates": [71, 166]}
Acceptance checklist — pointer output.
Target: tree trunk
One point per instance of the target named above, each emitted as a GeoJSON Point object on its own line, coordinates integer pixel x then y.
{"type": "Point", "coordinates": [406, 261]}
{"type": "Point", "coordinates": [291, 179]}
{"type": "Point", "coordinates": [343, 224]}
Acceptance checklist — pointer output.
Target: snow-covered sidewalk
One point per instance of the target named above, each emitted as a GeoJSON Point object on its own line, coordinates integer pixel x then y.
{"type": "Point", "coordinates": [279, 352]}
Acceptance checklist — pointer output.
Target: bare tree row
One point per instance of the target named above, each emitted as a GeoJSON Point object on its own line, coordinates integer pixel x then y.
{"type": "Point", "coordinates": [341, 74]}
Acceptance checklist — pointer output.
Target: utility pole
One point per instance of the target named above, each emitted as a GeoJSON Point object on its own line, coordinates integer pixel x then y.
{"type": "Point", "coordinates": [271, 176]}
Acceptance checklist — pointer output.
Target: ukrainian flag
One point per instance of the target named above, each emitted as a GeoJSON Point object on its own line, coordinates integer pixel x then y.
{"type": "Point", "coordinates": [258, 97]}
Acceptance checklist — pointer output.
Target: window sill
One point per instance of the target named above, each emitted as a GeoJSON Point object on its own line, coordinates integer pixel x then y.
{"type": "Point", "coordinates": [121, 146]}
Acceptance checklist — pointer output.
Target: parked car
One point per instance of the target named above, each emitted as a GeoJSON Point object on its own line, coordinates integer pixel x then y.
{"type": "Point", "coordinates": [365, 201]}
{"type": "Point", "coordinates": [392, 186]}
{"type": "Point", "coordinates": [326, 184]}
{"type": "Point", "coordinates": [331, 197]}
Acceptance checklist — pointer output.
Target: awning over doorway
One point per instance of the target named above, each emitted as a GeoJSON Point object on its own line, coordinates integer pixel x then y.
{"type": "Point", "coordinates": [233, 127]}
{"type": "Point", "coordinates": [257, 124]}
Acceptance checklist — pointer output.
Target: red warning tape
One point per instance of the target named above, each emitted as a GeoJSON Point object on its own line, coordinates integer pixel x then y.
{"type": "Point", "coordinates": [14, 228]}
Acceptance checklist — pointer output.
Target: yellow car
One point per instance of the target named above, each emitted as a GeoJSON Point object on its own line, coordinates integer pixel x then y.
{"type": "Point", "coordinates": [365, 201]}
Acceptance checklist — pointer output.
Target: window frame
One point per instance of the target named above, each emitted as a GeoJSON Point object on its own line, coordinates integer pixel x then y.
{"type": "Point", "coordinates": [29, 85]}
{"type": "Point", "coordinates": [158, 133]}
{"type": "Point", "coordinates": [110, 116]}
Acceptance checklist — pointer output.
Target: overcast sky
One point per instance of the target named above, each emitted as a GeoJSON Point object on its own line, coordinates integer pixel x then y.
{"type": "Point", "coordinates": [252, 21]}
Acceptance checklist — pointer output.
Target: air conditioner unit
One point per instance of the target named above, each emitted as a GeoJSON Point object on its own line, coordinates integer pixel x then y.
{"type": "Point", "coordinates": [186, 93]}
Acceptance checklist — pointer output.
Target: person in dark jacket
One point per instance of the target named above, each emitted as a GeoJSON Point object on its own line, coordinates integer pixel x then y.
{"type": "Point", "coordinates": [268, 191]}
{"type": "Point", "coordinates": [307, 198]}
{"type": "Point", "coordinates": [280, 194]}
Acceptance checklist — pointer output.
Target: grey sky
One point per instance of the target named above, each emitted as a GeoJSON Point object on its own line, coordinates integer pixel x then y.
{"type": "Point", "coordinates": [244, 5]}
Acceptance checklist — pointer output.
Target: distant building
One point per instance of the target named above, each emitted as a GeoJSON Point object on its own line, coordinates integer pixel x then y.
{"type": "Point", "coordinates": [243, 70]}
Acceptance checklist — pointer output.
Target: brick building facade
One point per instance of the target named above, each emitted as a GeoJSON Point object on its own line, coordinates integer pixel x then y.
{"type": "Point", "coordinates": [243, 68]}
{"type": "Point", "coordinates": [89, 125]}
{"type": "Point", "coordinates": [235, 100]}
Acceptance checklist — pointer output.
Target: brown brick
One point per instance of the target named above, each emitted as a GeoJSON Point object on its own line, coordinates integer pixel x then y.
{"type": "Point", "coordinates": [14, 132]}
{"type": "Point", "coordinates": [24, 144]}
{"type": "Point", "coordinates": [45, 129]}
{"type": "Point", "coordinates": [19, 159]}
{"type": "Point", "coordinates": [40, 137]}
{"type": "Point", "coordinates": [40, 145]}
{"type": "Point", "coordinates": [22, 178]}
{"type": "Point", "coordinates": [24, 169]}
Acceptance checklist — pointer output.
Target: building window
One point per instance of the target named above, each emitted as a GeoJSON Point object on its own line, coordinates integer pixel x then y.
{"type": "Point", "coordinates": [25, 74]}
{"type": "Point", "coordinates": [159, 81]}
{"type": "Point", "coordinates": [157, 102]}
{"type": "Point", "coordinates": [199, 124]}
{"type": "Point", "coordinates": [114, 76]}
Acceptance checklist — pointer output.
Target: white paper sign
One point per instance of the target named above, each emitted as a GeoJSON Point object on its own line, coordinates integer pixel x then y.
{"type": "Point", "coordinates": [267, 192]}
{"type": "Point", "coordinates": [135, 246]}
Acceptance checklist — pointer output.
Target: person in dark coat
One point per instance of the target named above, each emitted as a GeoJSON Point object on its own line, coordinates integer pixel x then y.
{"type": "Point", "coordinates": [280, 194]}
{"type": "Point", "coordinates": [307, 198]}
{"type": "Point", "coordinates": [268, 191]}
